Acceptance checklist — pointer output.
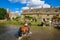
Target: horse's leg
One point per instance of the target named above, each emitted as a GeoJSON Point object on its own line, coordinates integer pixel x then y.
{"type": "Point", "coordinates": [22, 34]}
{"type": "Point", "coordinates": [20, 37]}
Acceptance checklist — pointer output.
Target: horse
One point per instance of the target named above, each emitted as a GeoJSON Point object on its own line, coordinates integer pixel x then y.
{"type": "Point", "coordinates": [23, 31]}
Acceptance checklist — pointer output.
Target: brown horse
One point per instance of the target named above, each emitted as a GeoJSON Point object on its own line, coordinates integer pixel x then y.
{"type": "Point", "coordinates": [23, 30]}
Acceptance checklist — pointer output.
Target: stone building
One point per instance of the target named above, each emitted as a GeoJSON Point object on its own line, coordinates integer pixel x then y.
{"type": "Point", "coordinates": [40, 13]}
{"type": "Point", "coordinates": [11, 16]}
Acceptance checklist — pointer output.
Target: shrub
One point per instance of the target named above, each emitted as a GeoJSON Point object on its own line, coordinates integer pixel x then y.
{"type": "Point", "coordinates": [47, 24]}
{"type": "Point", "coordinates": [35, 23]}
{"type": "Point", "coordinates": [22, 23]}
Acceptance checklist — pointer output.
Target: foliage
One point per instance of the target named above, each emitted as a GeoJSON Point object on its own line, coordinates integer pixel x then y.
{"type": "Point", "coordinates": [3, 13]}
{"type": "Point", "coordinates": [47, 24]}
{"type": "Point", "coordinates": [35, 23]}
{"type": "Point", "coordinates": [58, 27]}
{"type": "Point", "coordinates": [17, 18]}
{"type": "Point", "coordinates": [14, 23]}
{"type": "Point", "coordinates": [21, 23]}
{"type": "Point", "coordinates": [28, 17]}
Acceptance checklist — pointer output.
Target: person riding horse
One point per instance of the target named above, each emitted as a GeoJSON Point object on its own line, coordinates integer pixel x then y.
{"type": "Point", "coordinates": [23, 30]}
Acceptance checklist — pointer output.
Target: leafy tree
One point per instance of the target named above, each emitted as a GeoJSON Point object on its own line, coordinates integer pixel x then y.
{"type": "Point", "coordinates": [3, 13]}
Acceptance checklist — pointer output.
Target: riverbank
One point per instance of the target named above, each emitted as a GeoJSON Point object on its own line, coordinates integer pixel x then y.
{"type": "Point", "coordinates": [13, 22]}
{"type": "Point", "coordinates": [21, 23]}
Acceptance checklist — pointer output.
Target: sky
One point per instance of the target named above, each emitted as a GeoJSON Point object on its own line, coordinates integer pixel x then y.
{"type": "Point", "coordinates": [19, 5]}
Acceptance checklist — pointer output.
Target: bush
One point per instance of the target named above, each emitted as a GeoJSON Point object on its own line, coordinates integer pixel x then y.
{"type": "Point", "coordinates": [14, 23]}
{"type": "Point", "coordinates": [35, 23]}
{"type": "Point", "coordinates": [47, 24]}
{"type": "Point", "coordinates": [22, 23]}
{"type": "Point", "coordinates": [57, 26]}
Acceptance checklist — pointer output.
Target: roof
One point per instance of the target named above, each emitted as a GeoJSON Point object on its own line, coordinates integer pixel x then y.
{"type": "Point", "coordinates": [41, 11]}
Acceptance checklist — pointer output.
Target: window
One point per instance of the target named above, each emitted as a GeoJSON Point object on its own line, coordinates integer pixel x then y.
{"type": "Point", "coordinates": [56, 10]}
{"type": "Point", "coordinates": [47, 10]}
{"type": "Point", "coordinates": [57, 15]}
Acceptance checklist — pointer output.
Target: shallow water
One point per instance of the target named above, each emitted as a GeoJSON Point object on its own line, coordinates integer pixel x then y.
{"type": "Point", "coordinates": [39, 33]}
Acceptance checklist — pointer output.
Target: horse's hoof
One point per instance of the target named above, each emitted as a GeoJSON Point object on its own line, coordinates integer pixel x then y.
{"type": "Point", "coordinates": [30, 32]}
{"type": "Point", "coordinates": [20, 38]}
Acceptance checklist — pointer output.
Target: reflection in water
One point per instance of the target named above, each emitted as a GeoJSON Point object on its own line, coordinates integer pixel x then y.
{"type": "Point", "coordinates": [2, 28]}
{"type": "Point", "coordinates": [9, 32]}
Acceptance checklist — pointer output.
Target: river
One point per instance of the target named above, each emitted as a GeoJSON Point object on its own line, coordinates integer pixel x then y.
{"type": "Point", "coordinates": [38, 33]}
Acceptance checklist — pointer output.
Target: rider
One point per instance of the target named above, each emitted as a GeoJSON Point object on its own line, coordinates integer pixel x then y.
{"type": "Point", "coordinates": [23, 30]}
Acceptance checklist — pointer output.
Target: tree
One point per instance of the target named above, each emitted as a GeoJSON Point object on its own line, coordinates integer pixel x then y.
{"type": "Point", "coordinates": [3, 13]}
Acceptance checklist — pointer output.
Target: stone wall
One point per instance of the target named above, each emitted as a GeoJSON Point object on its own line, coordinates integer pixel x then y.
{"type": "Point", "coordinates": [41, 13]}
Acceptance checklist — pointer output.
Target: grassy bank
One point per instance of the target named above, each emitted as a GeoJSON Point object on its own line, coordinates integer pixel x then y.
{"type": "Point", "coordinates": [21, 23]}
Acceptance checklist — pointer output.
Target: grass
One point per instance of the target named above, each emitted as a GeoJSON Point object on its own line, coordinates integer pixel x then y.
{"type": "Point", "coordinates": [13, 22]}
{"type": "Point", "coordinates": [20, 23]}
{"type": "Point", "coordinates": [35, 23]}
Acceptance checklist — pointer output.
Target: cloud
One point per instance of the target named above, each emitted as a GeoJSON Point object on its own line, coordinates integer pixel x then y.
{"type": "Point", "coordinates": [13, 0]}
{"type": "Point", "coordinates": [37, 4]}
{"type": "Point", "coordinates": [16, 11]}
{"type": "Point", "coordinates": [21, 1]}
{"type": "Point", "coordinates": [23, 8]}
{"type": "Point", "coordinates": [32, 3]}
{"type": "Point", "coordinates": [46, 6]}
